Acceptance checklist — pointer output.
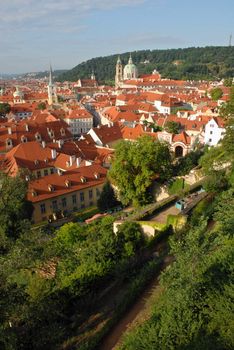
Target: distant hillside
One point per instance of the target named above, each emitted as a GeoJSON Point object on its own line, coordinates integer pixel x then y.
{"type": "Point", "coordinates": [39, 75]}
{"type": "Point", "coordinates": [190, 63]}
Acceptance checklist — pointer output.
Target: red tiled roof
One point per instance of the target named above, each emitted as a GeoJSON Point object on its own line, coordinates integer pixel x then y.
{"type": "Point", "coordinates": [93, 175]}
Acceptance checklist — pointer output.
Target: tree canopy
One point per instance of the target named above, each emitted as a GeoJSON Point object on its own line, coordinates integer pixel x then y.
{"type": "Point", "coordinates": [107, 199]}
{"type": "Point", "coordinates": [4, 108]}
{"type": "Point", "coordinates": [15, 211]}
{"type": "Point", "coordinates": [136, 165]}
{"type": "Point", "coordinates": [195, 63]}
{"type": "Point", "coordinates": [216, 94]}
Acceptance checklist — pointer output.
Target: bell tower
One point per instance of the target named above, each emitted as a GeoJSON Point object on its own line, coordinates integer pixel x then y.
{"type": "Point", "coordinates": [52, 94]}
{"type": "Point", "coordinates": [118, 73]}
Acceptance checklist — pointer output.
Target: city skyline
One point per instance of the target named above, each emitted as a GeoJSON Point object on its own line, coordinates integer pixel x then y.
{"type": "Point", "coordinates": [69, 32]}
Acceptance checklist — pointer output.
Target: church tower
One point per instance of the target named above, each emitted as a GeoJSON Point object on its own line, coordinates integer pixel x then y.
{"type": "Point", "coordinates": [119, 73]}
{"type": "Point", "coordinates": [52, 94]}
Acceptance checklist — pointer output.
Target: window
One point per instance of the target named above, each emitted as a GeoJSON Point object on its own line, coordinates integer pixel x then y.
{"type": "Point", "coordinates": [210, 140]}
{"type": "Point", "coordinates": [38, 173]}
{"type": "Point", "coordinates": [43, 208]}
{"type": "Point", "coordinates": [212, 125]}
{"type": "Point", "coordinates": [52, 170]}
{"type": "Point", "coordinates": [90, 194]}
{"type": "Point", "coordinates": [54, 205]}
{"type": "Point", "coordinates": [97, 192]}
{"type": "Point", "coordinates": [74, 199]}
{"type": "Point", "coordinates": [81, 196]}
{"type": "Point", "coordinates": [64, 202]}
{"type": "Point", "coordinates": [211, 132]}
{"type": "Point", "coordinates": [45, 172]}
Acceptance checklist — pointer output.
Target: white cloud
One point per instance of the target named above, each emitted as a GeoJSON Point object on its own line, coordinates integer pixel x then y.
{"type": "Point", "coordinates": [24, 10]}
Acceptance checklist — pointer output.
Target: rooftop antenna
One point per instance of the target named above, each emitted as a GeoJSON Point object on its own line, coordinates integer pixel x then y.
{"type": "Point", "coordinates": [230, 40]}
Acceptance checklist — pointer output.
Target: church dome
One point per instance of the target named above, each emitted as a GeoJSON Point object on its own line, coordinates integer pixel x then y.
{"type": "Point", "coordinates": [130, 70]}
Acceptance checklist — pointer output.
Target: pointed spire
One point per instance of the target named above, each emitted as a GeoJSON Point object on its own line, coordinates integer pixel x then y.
{"type": "Point", "coordinates": [119, 60]}
{"type": "Point", "coordinates": [50, 76]}
{"type": "Point", "coordinates": [130, 59]}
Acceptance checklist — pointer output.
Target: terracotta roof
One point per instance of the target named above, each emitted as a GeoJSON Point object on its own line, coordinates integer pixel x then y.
{"type": "Point", "coordinates": [56, 185]}
{"type": "Point", "coordinates": [30, 155]}
{"type": "Point", "coordinates": [183, 137]}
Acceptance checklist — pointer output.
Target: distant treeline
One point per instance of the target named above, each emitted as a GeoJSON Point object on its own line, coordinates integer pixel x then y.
{"type": "Point", "coordinates": [196, 63]}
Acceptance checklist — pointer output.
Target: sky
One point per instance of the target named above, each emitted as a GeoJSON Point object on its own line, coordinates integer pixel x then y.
{"type": "Point", "coordinates": [34, 33]}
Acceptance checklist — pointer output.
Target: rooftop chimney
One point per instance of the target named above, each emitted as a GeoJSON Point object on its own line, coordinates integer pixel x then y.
{"type": "Point", "coordinates": [53, 153]}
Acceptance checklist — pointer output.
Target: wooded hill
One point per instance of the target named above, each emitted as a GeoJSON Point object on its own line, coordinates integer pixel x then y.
{"type": "Point", "coordinates": [214, 62]}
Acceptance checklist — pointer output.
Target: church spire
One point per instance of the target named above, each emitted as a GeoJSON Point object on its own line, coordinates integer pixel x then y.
{"type": "Point", "coordinates": [130, 59]}
{"type": "Point", "coordinates": [118, 73]}
{"type": "Point", "coordinates": [50, 76]}
{"type": "Point", "coordinates": [52, 94]}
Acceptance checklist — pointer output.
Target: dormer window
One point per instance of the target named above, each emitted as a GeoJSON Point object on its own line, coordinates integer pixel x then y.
{"type": "Point", "coordinates": [9, 143]}
{"type": "Point", "coordinates": [38, 136]}
{"type": "Point", "coordinates": [51, 188]}
{"type": "Point", "coordinates": [83, 179]}
{"type": "Point", "coordinates": [97, 175]}
{"type": "Point", "coordinates": [67, 183]}
{"type": "Point", "coordinates": [36, 162]}
{"type": "Point", "coordinates": [23, 139]}
{"type": "Point", "coordinates": [62, 131]}
{"type": "Point", "coordinates": [34, 193]}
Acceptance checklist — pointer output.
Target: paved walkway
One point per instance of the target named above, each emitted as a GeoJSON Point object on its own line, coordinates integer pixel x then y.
{"type": "Point", "coordinates": [162, 216]}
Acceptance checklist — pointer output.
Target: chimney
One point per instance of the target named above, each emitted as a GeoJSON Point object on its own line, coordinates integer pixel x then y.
{"type": "Point", "coordinates": [9, 131]}
{"type": "Point", "coordinates": [43, 144]}
{"type": "Point", "coordinates": [60, 143]}
{"type": "Point", "coordinates": [53, 153]}
{"type": "Point", "coordinates": [72, 160]}
{"type": "Point", "coordinates": [26, 127]}
{"type": "Point", "coordinates": [78, 161]}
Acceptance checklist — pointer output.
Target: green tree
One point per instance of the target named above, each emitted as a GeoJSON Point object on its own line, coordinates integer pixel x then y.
{"type": "Point", "coordinates": [227, 109]}
{"type": "Point", "coordinates": [135, 167]}
{"type": "Point", "coordinates": [173, 127]}
{"type": "Point", "coordinates": [216, 94]}
{"type": "Point", "coordinates": [130, 238]}
{"type": "Point", "coordinates": [4, 109]}
{"type": "Point", "coordinates": [107, 199]}
{"type": "Point", "coordinates": [15, 211]}
{"type": "Point", "coordinates": [41, 106]}
{"type": "Point", "coordinates": [193, 310]}
{"type": "Point", "coordinates": [228, 82]}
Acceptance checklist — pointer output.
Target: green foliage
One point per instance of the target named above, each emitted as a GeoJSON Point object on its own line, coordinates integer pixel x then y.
{"type": "Point", "coordinates": [216, 94]}
{"type": "Point", "coordinates": [41, 106]}
{"type": "Point", "coordinates": [46, 279]}
{"type": "Point", "coordinates": [217, 162]}
{"type": "Point", "coordinates": [227, 109]}
{"type": "Point", "coordinates": [184, 164]}
{"type": "Point", "coordinates": [4, 109]}
{"type": "Point", "coordinates": [133, 172]}
{"type": "Point", "coordinates": [172, 127]}
{"type": "Point", "coordinates": [177, 186]}
{"type": "Point", "coordinates": [107, 199]}
{"type": "Point", "coordinates": [130, 238]}
{"type": "Point", "coordinates": [196, 63]}
{"type": "Point", "coordinates": [194, 309]}
{"type": "Point", "coordinates": [228, 82]}
{"type": "Point", "coordinates": [15, 211]}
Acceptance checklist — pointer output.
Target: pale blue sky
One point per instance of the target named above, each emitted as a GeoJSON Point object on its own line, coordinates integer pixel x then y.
{"type": "Point", "coordinates": [67, 32]}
